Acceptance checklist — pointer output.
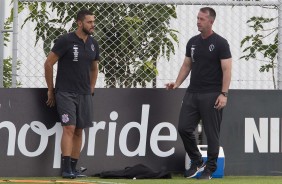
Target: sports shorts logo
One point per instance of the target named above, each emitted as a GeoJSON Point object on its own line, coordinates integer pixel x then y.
{"type": "Point", "coordinates": [65, 118]}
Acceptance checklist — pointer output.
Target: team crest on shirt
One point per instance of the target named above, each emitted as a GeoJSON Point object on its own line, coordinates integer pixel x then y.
{"type": "Point", "coordinates": [211, 47]}
{"type": "Point", "coordinates": [92, 47]}
{"type": "Point", "coordinates": [65, 118]}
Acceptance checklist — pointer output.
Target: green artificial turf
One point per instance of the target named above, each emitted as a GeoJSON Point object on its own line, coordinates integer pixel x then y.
{"type": "Point", "coordinates": [174, 180]}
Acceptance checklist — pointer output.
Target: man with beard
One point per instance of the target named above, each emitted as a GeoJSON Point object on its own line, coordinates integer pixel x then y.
{"type": "Point", "coordinates": [77, 54]}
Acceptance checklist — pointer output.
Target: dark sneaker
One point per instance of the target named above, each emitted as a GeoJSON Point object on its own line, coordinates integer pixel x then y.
{"type": "Point", "coordinates": [194, 169]}
{"type": "Point", "coordinates": [78, 174]}
{"type": "Point", "coordinates": [206, 174]}
{"type": "Point", "coordinates": [68, 175]}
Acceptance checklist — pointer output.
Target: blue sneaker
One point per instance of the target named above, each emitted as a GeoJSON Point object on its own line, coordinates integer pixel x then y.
{"type": "Point", "coordinates": [68, 175]}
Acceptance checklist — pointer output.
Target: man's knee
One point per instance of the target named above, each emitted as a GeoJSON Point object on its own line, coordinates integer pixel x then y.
{"type": "Point", "coordinates": [78, 132]}
{"type": "Point", "coordinates": [185, 131]}
{"type": "Point", "coordinates": [69, 130]}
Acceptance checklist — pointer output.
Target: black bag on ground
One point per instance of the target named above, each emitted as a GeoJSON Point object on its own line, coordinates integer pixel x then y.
{"type": "Point", "coordinates": [138, 171]}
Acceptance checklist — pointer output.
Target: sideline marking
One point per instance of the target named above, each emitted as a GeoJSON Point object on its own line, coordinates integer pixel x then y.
{"type": "Point", "coordinates": [46, 181]}
{"type": "Point", "coordinates": [60, 181]}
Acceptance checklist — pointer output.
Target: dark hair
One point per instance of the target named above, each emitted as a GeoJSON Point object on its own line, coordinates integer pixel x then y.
{"type": "Point", "coordinates": [209, 10]}
{"type": "Point", "coordinates": [82, 13]}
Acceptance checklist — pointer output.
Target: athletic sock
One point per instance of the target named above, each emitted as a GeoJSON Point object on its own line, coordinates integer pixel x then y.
{"type": "Point", "coordinates": [73, 164]}
{"type": "Point", "coordinates": [66, 160]}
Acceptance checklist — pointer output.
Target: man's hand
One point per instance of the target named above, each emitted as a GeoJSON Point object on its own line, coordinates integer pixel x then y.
{"type": "Point", "coordinates": [92, 91]}
{"type": "Point", "coordinates": [51, 99]}
{"type": "Point", "coordinates": [171, 85]}
{"type": "Point", "coordinates": [220, 102]}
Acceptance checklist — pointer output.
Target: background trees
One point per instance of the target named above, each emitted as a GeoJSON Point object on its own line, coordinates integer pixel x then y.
{"type": "Point", "coordinates": [132, 37]}
{"type": "Point", "coordinates": [257, 47]}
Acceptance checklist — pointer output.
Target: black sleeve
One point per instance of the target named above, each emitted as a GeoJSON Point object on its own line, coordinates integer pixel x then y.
{"type": "Point", "coordinates": [224, 52]}
{"type": "Point", "coordinates": [188, 49]}
{"type": "Point", "coordinates": [60, 46]}
{"type": "Point", "coordinates": [97, 57]}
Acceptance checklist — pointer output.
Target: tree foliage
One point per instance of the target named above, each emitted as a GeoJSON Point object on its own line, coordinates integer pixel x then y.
{"type": "Point", "coordinates": [132, 37]}
{"type": "Point", "coordinates": [7, 63]}
{"type": "Point", "coordinates": [7, 72]}
{"type": "Point", "coordinates": [257, 45]}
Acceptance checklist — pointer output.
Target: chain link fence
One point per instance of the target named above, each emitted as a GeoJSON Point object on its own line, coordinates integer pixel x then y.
{"type": "Point", "coordinates": [142, 43]}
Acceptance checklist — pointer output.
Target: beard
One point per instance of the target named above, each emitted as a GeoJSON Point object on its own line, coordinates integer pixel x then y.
{"type": "Point", "coordinates": [86, 31]}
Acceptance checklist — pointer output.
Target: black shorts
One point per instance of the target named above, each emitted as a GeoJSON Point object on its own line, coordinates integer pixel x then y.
{"type": "Point", "coordinates": [75, 109]}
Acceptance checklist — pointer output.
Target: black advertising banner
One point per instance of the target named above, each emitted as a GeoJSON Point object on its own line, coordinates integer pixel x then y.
{"type": "Point", "coordinates": [133, 126]}
{"type": "Point", "coordinates": [251, 132]}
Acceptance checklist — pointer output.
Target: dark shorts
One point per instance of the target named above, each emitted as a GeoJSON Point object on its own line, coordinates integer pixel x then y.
{"type": "Point", "coordinates": [75, 109]}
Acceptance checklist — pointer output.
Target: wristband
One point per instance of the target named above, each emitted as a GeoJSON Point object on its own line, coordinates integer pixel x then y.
{"type": "Point", "coordinates": [224, 94]}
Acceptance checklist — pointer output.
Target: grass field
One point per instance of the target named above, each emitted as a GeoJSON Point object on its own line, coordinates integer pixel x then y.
{"type": "Point", "coordinates": [174, 180]}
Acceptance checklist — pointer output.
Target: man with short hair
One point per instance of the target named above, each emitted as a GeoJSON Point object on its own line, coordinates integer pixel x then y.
{"type": "Point", "coordinates": [77, 54]}
{"type": "Point", "coordinates": [208, 58]}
